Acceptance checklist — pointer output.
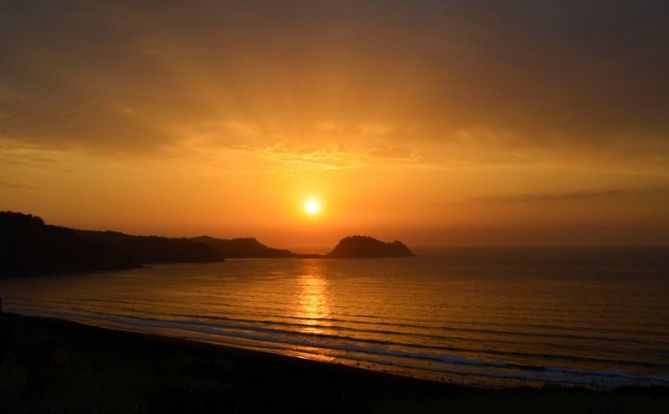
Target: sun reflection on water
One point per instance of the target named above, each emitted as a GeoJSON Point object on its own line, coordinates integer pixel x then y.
{"type": "Point", "coordinates": [312, 299]}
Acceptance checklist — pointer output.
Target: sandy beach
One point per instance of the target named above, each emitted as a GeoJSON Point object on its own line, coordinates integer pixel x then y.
{"type": "Point", "coordinates": [50, 365]}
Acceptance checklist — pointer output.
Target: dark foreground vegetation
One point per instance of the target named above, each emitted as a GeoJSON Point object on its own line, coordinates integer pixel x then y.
{"type": "Point", "coordinates": [49, 366]}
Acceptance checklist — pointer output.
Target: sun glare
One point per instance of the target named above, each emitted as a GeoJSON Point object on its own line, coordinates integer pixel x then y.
{"type": "Point", "coordinates": [312, 206]}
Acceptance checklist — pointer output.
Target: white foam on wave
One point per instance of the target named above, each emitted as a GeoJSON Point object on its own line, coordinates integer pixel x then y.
{"type": "Point", "coordinates": [370, 352]}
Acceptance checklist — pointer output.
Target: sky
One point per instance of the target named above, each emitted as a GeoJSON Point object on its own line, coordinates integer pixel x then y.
{"type": "Point", "coordinates": [432, 122]}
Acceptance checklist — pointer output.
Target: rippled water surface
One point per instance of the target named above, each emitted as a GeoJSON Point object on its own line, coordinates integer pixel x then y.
{"type": "Point", "coordinates": [494, 324]}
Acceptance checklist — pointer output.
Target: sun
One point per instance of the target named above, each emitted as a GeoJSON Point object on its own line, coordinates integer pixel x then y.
{"type": "Point", "coordinates": [312, 206]}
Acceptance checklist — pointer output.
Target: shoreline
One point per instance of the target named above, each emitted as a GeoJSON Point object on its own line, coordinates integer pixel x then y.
{"type": "Point", "coordinates": [56, 365]}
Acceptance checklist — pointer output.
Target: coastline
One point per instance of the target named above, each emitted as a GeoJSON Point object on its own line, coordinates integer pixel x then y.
{"type": "Point", "coordinates": [49, 365]}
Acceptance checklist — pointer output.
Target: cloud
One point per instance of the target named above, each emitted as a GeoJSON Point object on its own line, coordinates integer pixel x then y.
{"type": "Point", "coordinates": [451, 83]}
{"type": "Point", "coordinates": [568, 196]}
{"type": "Point", "coordinates": [15, 186]}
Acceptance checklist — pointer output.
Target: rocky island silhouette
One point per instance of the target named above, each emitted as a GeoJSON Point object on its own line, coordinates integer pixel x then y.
{"type": "Point", "coordinates": [365, 246]}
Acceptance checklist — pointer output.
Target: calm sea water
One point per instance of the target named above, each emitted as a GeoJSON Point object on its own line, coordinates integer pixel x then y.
{"type": "Point", "coordinates": [494, 317]}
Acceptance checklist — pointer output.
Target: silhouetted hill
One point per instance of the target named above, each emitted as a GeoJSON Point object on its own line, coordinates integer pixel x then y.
{"type": "Point", "coordinates": [242, 247]}
{"type": "Point", "coordinates": [28, 246]}
{"type": "Point", "coordinates": [352, 246]}
{"type": "Point", "coordinates": [364, 246]}
{"type": "Point", "coordinates": [155, 249]}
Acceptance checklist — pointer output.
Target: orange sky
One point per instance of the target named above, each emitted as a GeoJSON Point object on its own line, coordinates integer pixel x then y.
{"type": "Point", "coordinates": [433, 123]}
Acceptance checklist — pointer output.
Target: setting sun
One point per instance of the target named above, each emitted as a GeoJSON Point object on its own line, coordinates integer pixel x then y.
{"type": "Point", "coordinates": [312, 206]}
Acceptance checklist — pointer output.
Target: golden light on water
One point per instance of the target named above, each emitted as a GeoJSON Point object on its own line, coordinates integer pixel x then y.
{"type": "Point", "coordinates": [312, 304]}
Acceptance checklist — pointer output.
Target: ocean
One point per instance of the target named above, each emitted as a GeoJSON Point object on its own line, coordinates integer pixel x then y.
{"type": "Point", "coordinates": [480, 316]}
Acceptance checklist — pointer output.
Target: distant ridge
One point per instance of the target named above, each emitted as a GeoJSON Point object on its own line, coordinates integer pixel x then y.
{"type": "Point", "coordinates": [365, 246]}
{"type": "Point", "coordinates": [242, 247]}
{"type": "Point", "coordinates": [28, 246]}
{"type": "Point", "coordinates": [348, 247]}
{"type": "Point", "coordinates": [154, 249]}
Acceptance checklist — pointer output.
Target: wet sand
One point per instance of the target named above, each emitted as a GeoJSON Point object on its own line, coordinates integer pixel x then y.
{"type": "Point", "coordinates": [49, 365]}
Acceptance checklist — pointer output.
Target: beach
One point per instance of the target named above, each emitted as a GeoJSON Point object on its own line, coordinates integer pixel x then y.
{"type": "Point", "coordinates": [50, 365]}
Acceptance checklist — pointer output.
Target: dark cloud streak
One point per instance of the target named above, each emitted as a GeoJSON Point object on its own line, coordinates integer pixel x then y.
{"type": "Point", "coordinates": [569, 196]}
{"type": "Point", "coordinates": [15, 186]}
